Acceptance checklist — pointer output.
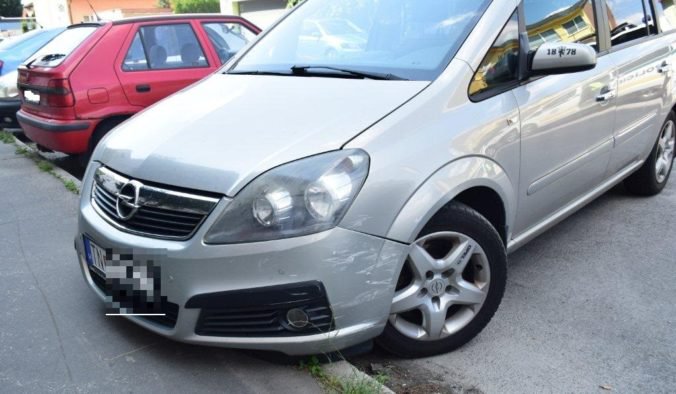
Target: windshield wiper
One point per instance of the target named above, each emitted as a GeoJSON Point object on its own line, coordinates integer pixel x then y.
{"type": "Point", "coordinates": [306, 70]}
{"type": "Point", "coordinates": [29, 64]}
{"type": "Point", "coordinates": [258, 72]}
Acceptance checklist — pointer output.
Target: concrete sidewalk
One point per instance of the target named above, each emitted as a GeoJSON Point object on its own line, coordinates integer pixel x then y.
{"type": "Point", "coordinates": [54, 336]}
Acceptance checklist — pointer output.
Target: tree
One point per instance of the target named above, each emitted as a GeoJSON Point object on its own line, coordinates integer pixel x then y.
{"type": "Point", "coordinates": [292, 3]}
{"type": "Point", "coordinates": [11, 8]}
{"type": "Point", "coordinates": [164, 3]}
{"type": "Point", "coordinates": [196, 6]}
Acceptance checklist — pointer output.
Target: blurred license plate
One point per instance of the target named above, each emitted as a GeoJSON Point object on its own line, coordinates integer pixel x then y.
{"type": "Point", "coordinates": [31, 97]}
{"type": "Point", "coordinates": [96, 255]}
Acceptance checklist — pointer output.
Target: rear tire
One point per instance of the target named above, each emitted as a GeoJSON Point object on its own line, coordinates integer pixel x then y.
{"type": "Point", "coordinates": [101, 130]}
{"type": "Point", "coordinates": [653, 176]}
{"type": "Point", "coordinates": [445, 301]}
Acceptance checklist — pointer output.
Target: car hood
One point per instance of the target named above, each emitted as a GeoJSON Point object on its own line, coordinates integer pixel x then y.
{"type": "Point", "coordinates": [221, 133]}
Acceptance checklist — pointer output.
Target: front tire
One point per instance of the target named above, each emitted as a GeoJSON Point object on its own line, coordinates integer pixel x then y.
{"type": "Point", "coordinates": [450, 286]}
{"type": "Point", "coordinates": [653, 176]}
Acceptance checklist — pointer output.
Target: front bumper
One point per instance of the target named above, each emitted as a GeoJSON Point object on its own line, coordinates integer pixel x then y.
{"type": "Point", "coordinates": [8, 110]}
{"type": "Point", "coordinates": [358, 273]}
{"type": "Point", "coordinates": [67, 136]}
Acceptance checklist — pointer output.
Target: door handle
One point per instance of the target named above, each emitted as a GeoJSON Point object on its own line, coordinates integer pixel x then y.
{"type": "Point", "coordinates": [143, 88]}
{"type": "Point", "coordinates": [606, 95]}
{"type": "Point", "coordinates": [665, 68]}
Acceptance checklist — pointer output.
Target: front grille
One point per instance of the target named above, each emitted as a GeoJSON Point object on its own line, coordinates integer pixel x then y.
{"type": "Point", "coordinates": [160, 212]}
{"type": "Point", "coordinates": [262, 312]}
{"type": "Point", "coordinates": [170, 309]}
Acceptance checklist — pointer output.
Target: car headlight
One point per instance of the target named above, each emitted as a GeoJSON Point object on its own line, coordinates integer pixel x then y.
{"type": "Point", "coordinates": [299, 198]}
{"type": "Point", "coordinates": [8, 85]}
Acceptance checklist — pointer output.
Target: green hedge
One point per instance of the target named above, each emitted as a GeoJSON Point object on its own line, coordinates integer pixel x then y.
{"type": "Point", "coordinates": [196, 6]}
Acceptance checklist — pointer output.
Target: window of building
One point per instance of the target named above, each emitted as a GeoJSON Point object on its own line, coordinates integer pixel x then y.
{"type": "Point", "coordinates": [560, 21]}
{"type": "Point", "coordinates": [576, 25]}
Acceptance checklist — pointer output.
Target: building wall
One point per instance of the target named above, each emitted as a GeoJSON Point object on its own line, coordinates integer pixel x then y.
{"type": "Point", "coordinates": [80, 10]}
{"type": "Point", "coordinates": [52, 13]}
{"type": "Point", "coordinates": [263, 13]}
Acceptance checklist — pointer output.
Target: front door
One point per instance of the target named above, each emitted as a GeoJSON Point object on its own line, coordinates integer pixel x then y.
{"type": "Point", "coordinates": [566, 120]}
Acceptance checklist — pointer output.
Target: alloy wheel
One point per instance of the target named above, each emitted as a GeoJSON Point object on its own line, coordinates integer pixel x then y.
{"type": "Point", "coordinates": [665, 151]}
{"type": "Point", "coordinates": [442, 287]}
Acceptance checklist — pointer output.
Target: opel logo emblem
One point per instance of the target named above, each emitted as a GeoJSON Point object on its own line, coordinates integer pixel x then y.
{"type": "Point", "coordinates": [437, 287]}
{"type": "Point", "coordinates": [128, 200]}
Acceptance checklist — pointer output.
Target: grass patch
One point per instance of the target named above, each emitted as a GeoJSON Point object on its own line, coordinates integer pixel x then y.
{"type": "Point", "coordinates": [45, 166]}
{"type": "Point", "coordinates": [6, 137]}
{"type": "Point", "coordinates": [332, 384]}
{"type": "Point", "coordinates": [71, 186]}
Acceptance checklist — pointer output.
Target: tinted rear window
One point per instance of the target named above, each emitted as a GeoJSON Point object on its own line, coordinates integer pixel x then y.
{"type": "Point", "coordinates": [54, 53]}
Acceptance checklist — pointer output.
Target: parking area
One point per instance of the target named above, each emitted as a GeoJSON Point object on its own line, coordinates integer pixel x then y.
{"type": "Point", "coordinates": [589, 307]}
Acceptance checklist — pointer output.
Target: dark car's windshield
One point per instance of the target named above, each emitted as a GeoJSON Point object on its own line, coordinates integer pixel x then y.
{"type": "Point", "coordinates": [408, 39]}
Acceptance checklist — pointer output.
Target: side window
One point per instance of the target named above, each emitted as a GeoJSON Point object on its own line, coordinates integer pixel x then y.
{"type": "Point", "coordinates": [227, 38]}
{"type": "Point", "coordinates": [136, 57]}
{"type": "Point", "coordinates": [666, 13]}
{"type": "Point", "coordinates": [164, 47]}
{"type": "Point", "coordinates": [560, 21]}
{"type": "Point", "coordinates": [628, 20]}
{"type": "Point", "coordinates": [500, 67]}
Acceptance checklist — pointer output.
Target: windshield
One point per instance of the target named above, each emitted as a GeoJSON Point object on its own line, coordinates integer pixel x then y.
{"type": "Point", "coordinates": [54, 53]}
{"type": "Point", "coordinates": [405, 39]}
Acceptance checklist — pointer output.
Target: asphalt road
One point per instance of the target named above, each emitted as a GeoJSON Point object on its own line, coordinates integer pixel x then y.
{"type": "Point", "coordinates": [591, 303]}
{"type": "Point", "coordinates": [54, 336]}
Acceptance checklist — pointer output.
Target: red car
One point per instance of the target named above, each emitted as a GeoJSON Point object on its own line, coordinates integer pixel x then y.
{"type": "Point", "coordinates": [93, 76]}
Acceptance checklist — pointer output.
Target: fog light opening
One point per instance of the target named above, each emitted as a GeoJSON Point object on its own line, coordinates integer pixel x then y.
{"type": "Point", "coordinates": [297, 318]}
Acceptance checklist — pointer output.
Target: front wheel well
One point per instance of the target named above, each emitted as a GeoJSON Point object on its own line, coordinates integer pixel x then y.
{"type": "Point", "coordinates": [488, 203]}
{"type": "Point", "coordinates": [104, 127]}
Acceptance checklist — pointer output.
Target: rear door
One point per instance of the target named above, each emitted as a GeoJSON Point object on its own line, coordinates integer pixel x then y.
{"type": "Point", "coordinates": [644, 73]}
{"type": "Point", "coordinates": [161, 58]}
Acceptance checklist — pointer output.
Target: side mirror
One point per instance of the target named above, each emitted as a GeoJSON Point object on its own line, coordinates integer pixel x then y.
{"type": "Point", "coordinates": [562, 58]}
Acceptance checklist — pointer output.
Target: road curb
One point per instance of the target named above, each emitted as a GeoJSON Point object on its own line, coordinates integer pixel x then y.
{"type": "Point", "coordinates": [344, 371]}
{"type": "Point", "coordinates": [62, 174]}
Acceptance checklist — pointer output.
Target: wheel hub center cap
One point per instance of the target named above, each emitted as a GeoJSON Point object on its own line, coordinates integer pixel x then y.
{"type": "Point", "coordinates": [437, 287]}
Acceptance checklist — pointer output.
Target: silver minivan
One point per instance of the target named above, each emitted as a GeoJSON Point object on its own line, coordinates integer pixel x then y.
{"type": "Point", "coordinates": [306, 201]}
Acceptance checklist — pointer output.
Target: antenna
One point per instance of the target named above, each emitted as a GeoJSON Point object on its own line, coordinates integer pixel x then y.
{"type": "Point", "coordinates": [94, 11]}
